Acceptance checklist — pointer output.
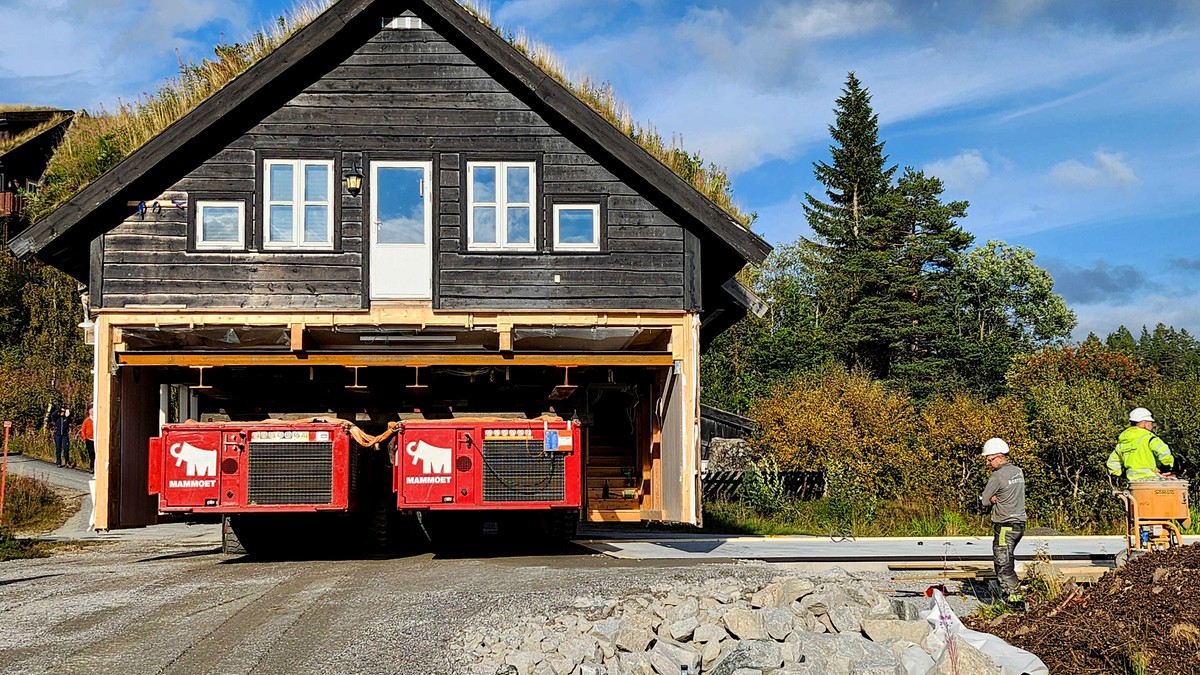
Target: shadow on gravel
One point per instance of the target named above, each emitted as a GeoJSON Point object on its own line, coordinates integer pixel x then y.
{"type": "Point", "coordinates": [9, 582]}
{"type": "Point", "coordinates": [181, 556]}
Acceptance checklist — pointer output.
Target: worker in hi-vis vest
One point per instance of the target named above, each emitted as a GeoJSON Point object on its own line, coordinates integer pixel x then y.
{"type": "Point", "coordinates": [1005, 495]}
{"type": "Point", "coordinates": [1139, 452]}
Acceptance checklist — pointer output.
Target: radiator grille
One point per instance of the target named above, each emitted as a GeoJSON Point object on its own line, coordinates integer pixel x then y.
{"type": "Point", "coordinates": [520, 471]}
{"type": "Point", "coordinates": [290, 473]}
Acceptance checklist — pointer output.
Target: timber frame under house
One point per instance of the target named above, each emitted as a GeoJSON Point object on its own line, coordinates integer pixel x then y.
{"type": "Point", "coordinates": [506, 240]}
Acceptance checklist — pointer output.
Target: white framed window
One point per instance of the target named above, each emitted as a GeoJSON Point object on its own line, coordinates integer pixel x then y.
{"type": "Point", "coordinates": [500, 199]}
{"type": "Point", "coordinates": [220, 225]}
{"type": "Point", "coordinates": [577, 227]}
{"type": "Point", "coordinates": [298, 203]}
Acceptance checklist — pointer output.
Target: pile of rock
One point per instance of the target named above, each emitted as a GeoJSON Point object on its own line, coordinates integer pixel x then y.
{"type": "Point", "coordinates": [830, 624]}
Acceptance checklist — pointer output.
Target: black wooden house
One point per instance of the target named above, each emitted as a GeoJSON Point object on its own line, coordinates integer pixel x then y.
{"type": "Point", "coordinates": [506, 240]}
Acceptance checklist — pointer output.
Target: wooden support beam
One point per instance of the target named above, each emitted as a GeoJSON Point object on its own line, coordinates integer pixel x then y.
{"type": "Point", "coordinates": [211, 359]}
{"type": "Point", "coordinates": [106, 418]}
{"type": "Point", "coordinates": [506, 337]}
{"type": "Point", "coordinates": [297, 337]}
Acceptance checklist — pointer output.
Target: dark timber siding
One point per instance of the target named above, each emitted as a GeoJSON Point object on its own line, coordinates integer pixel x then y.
{"type": "Point", "coordinates": [406, 95]}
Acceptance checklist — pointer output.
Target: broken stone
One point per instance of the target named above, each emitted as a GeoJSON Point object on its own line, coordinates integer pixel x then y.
{"type": "Point", "coordinates": [709, 632]}
{"type": "Point", "coordinates": [524, 661]}
{"type": "Point", "coordinates": [579, 648]}
{"type": "Point", "coordinates": [778, 621]}
{"type": "Point", "coordinates": [745, 624]}
{"type": "Point", "coordinates": [635, 640]}
{"type": "Point", "coordinates": [669, 657]}
{"type": "Point", "coordinates": [880, 667]}
{"type": "Point", "coordinates": [883, 630]}
{"type": "Point", "coordinates": [712, 652]}
{"type": "Point", "coordinates": [759, 654]}
{"type": "Point", "coordinates": [635, 664]}
{"type": "Point", "coordinates": [846, 619]}
{"type": "Point", "coordinates": [683, 628]}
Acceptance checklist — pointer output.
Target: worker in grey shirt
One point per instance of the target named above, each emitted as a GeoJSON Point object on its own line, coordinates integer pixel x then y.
{"type": "Point", "coordinates": [1005, 493]}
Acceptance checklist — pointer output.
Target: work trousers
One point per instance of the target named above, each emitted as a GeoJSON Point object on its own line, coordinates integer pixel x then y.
{"type": "Point", "coordinates": [1005, 537]}
{"type": "Point", "coordinates": [62, 450]}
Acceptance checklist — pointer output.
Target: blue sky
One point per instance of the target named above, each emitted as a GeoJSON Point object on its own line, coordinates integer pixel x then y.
{"type": "Point", "coordinates": [1071, 127]}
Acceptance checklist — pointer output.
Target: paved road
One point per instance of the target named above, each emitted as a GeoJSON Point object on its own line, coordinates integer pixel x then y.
{"type": "Point", "coordinates": [63, 476]}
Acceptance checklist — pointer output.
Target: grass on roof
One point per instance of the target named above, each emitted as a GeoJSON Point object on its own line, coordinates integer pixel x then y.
{"type": "Point", "coordinates": [97, 142]}
{"type": "Point", "coordinates": [14, 141]}
{"type": "Point", "coordinates": [17, 107]}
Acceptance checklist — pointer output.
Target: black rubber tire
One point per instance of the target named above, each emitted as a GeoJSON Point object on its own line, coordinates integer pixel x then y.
{"type": "Point", "coordinates": [253, 538]}
{"type": "Point", "coordinates": [377, 537]}
{"type": "Point", "coordinates": [563, 524]}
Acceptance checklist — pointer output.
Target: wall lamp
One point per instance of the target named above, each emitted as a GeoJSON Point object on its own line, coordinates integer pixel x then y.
{"type": "Point", "coordinates": [354, 181]}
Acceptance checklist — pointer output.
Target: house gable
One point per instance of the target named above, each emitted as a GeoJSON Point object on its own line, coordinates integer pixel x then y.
{"type": "Point", "coordinates": [405, 95]}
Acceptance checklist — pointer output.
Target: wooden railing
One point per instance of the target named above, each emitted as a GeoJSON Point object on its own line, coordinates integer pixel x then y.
{"type": "Point", "coordinates": [10, 203]}
{"type": "Point", "coordinates": [723, 485]}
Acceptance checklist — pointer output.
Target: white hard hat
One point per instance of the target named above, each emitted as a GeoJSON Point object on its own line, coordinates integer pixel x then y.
{"type": "Point", "coordinates": [1140, 415]}
{"type": "Point", "coordinates": [994, 446]}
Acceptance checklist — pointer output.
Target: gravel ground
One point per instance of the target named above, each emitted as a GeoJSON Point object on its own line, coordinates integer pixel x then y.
{"type": "Point", "coordinates": [161, 608]}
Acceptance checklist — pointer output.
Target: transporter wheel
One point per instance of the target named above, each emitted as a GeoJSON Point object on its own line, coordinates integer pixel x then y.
{"type": "Point", "coordinates": [562, 524]}
{"type": "Point", "coordinates": [377, 513]}
{"type": "Point", "coordinates": [252, 537]}
{"type": "Point", "coordinates": [230, 544]}
{"type": "Point", "coordinates": [377, 537]}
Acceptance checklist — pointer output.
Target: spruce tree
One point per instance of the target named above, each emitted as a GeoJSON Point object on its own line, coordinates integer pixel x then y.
{"type": "Point", "coordinates": [855, 242]}
{"type": "Point", "coordinates": [1121, 340]}
{"type": "Point", "coordinates": [922, 307]}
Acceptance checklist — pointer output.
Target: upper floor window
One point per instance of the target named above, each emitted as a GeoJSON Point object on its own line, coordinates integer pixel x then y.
{"type": "Point", "coordinates": [298, 203]}
{"type": "Point", "coordinates": [500, 199]}
{"type": "Point", "coordinates": [220, 225]}
{"type": "Point", "coordinates": [577, 227]}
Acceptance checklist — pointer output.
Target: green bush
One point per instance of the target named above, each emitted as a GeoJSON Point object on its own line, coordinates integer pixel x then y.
{"type": "Point", "coordinates": [762, 488]}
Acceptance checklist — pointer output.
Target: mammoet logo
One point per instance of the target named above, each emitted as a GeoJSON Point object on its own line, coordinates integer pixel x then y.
{"type": "Point", "coordinates": [200, 462]}
{"type": "Point", "coordinates": [433, 459]}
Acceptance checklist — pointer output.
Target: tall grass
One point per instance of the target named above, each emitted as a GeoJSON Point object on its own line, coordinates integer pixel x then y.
{"type": "Point", "coordinates": [709, 179]}
{"type": "Point", "coordinates": [824, 517]}
{"type": "Point", "coordinates": [98, 142]}
{"type": "Point", "coordinates": [39, 444]}
{"type": "Point", "coordinates": [31, 504]}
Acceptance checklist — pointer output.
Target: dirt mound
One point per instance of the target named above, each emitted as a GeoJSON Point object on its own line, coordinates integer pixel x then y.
{"type": "Point", "coordinates": [1142, 618]}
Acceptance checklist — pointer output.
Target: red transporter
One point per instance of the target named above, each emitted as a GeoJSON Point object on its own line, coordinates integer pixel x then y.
{"type": "Point", "coordinates": [257, 467]}
{"type": "Point", "coordinates": [488, 464]}
{"type": "Point", "coordinates": [278, 483]}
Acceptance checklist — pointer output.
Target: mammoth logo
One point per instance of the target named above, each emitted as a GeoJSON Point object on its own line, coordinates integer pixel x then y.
{"type": "Point", "coordinates": [433, 458]}
{"type": "Point", "coordinates": [200, 462]}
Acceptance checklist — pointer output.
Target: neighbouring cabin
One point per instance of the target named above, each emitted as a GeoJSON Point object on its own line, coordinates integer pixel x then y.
{"type": "Point", "coordinates": [28, 138]}
{"type": "Point", "coordinates": [397, 214]}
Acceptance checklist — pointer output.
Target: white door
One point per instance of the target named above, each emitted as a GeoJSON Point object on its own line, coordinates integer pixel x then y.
{"type": "Point", "coordinates": [401, 230]}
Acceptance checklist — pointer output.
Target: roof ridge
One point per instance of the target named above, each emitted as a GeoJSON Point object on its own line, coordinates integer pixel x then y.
{"type": "Point", "coordinates": [134, 124]}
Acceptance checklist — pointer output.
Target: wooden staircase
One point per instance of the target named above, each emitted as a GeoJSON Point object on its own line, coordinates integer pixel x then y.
{"type": "Point", "coordinates": [613, 480]}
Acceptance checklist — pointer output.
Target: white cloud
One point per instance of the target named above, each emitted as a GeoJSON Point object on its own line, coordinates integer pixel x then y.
{"type": "Point", "coordinates": [81, 53]}
{"type": "Point", "coordinates": [822, 20]}
{"type": "Point", "coordinates": [961, 172]}
{"type": "Point", "coordinates": [1148, 310]}
{"type": "Point", "coordinates": [1109, 170]}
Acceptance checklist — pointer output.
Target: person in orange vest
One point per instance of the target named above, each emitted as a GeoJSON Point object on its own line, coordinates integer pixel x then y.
{"type": "Point", "coordinates": [87, 431]}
